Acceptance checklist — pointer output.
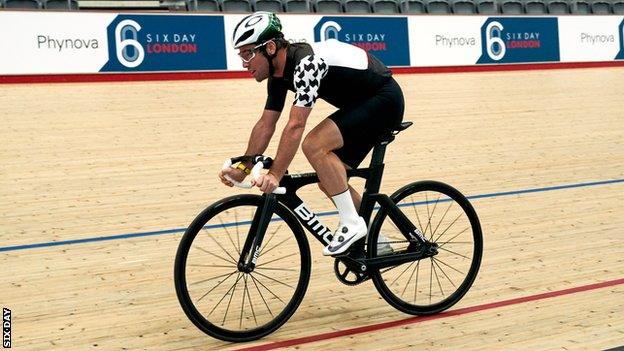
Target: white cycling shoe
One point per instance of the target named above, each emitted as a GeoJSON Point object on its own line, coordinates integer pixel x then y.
{"type": "Point", "coordinates": [345, 236]}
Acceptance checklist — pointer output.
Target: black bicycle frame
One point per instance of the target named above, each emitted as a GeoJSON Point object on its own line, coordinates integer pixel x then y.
{"type": "Point", "coordinates": [292, 182]}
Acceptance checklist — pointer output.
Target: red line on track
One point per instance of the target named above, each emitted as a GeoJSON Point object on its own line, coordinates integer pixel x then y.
{"type": "Point", "coordinates": [137, 76]}
{"type": "Point", "coordinates": [415, 320]}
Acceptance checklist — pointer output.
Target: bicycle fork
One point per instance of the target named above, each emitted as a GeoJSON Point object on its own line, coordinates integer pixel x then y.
{"type": "Point", "coordinates": [257, 230]}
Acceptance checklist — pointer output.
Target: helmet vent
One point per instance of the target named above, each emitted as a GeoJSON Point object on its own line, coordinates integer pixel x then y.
{"type": "Point", "coordinates": [245, 35]}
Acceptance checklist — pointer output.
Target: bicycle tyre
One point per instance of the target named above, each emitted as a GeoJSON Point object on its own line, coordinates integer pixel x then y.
{"type": "Point", "coordinates": [180, 270]}
{"type": "Point", "coordinates": [437, 267]}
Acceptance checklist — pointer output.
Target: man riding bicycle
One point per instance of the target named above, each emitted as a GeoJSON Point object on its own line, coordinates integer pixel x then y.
{"type": "Point", "coordinates": [369, 101]}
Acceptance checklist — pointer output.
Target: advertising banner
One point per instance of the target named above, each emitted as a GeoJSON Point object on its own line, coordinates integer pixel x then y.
{"type": "Point", "coordinates": [589, 38]}
{"type": "Point", "coordinates": [165, 43]}
{"type": "Point", "coordinates": [54, 42]}
{"type": "Point", "coordinates": [519, 40]}
{"type": "Point", "coordinates": [445, 40]}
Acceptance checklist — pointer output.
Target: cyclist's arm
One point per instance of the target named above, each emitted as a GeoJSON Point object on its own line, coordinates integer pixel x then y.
{"type": "Point", "coordinates": [290, 140]}
{"type": "Point", "coordinates": [307, 81]}
{"type": "Point", "coordinates": [262, 132]}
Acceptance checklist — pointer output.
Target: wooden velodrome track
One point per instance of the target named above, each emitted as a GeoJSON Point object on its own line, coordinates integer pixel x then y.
{"type": "Point", "coordinates": [91, 161]}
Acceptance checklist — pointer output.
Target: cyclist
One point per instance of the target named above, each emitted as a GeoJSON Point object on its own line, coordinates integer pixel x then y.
{"type": "Point", "coordinates": [369, 101]}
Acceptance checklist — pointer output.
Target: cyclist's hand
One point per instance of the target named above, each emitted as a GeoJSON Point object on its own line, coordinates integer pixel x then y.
{"type": "Point", "coordinates": [266, 182]}
{"type": "Point", "coordinates": [234, 173]}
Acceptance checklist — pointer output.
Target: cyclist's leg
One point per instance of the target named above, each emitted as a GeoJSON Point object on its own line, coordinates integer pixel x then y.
{"type": "Point", "coordinates": [318, 147]}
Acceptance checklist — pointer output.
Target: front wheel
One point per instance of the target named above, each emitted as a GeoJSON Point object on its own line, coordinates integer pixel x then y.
{"type": "Point", "coordinates": [444, 217]}
{"type": "Point", "coordinates": [230, 304]}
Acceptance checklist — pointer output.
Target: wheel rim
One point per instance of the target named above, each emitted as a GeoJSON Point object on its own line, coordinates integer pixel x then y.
{"type": "Point", "coordinates": [234, 302]}
{"type": "Point", "coordinates": [432, 284]}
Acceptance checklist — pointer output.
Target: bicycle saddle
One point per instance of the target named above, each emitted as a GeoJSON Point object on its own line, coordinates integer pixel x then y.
{"type": "Point", "coordinates": [388, 137]}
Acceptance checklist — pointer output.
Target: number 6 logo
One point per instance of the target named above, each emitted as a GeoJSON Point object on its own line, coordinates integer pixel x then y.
{"type": "Point", "coordinates": [126, 34]}
{"type": "Point", "coordinates": [493, 33]}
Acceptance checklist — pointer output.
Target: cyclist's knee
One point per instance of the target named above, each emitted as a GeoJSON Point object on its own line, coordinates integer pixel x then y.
{"type": "Point", "coordinates": [311, 145]}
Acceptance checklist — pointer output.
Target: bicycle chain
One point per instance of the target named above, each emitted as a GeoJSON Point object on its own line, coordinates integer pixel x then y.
{"type": "Point", "coordinates": [367, 277]}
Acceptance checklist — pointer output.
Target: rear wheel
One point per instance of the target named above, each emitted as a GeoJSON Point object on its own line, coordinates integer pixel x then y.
{"type": "Point", "coordinates": [433, 284]}
{"type": "Point", "coordinates": [225, 302]}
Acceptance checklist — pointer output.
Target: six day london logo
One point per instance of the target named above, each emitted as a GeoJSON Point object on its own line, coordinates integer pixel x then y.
{"type": "Point", "coordinates": [509, 40]}
{"type": "Point", "coordinates": [165, 43]}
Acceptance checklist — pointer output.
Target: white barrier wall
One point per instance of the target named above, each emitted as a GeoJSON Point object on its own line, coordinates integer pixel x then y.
{"type": "Point", "coordinates": [87, 42]}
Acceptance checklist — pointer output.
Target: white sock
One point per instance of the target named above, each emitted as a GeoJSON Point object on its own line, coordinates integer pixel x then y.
{"type": "Point", "coordinates": [346, 208]}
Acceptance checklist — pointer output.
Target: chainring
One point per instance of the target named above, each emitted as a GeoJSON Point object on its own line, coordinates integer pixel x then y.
{"type": "Point", "coordinates": [348, 276]}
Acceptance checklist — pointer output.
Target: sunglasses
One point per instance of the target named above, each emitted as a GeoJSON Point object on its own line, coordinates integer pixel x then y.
{"type": "Point", "coordinates": [249, 54]}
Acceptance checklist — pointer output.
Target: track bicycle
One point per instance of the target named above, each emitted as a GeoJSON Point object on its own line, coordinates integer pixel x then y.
{"type": "Point", "coordinates": [243, 265]}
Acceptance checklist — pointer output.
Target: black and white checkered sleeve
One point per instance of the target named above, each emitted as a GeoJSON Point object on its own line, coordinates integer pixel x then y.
{"type": "Point", "coordinates": [307, 80]}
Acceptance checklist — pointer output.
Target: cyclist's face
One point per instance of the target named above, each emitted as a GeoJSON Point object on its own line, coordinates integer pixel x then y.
{"type": "Point", "coordinates": [254, 62]}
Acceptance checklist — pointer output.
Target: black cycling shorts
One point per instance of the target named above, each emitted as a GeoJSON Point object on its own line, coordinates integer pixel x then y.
{"type": "Point", "coordinates": [362, 124]}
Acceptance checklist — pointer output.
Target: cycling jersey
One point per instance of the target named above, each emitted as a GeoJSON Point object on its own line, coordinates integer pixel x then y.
{"type": "Point", "coordinates": [339, 73]}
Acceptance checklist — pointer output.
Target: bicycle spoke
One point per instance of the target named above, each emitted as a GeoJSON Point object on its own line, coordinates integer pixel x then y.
{"type": "Point", "coordinates": [408, 281]}
{"type": "Point", "coordinates": [205, 280]}
{"type": "Point", "coordinates": [230, 301]}
{"type": "Point", "coordinates": [226, 294]}
{"type": "Point", "coordinates": [443, 272]}
{"type": "Point", "coordinates": [272, 235]}
{"type": "Point", "coordinates": [449, 266]}
{"type": "Point", "coordinates": [416, 282]}
{"type": "Point", "coordinates": [460, 233]}
{"type": "Point", "coordinates": [253, 280]}
{"type": "Point", "coordinates": [441, 220]}
{"type": "Point", "coordinates": [250, 304]}
{"type": "Point", "coordinates": [277, 269]}
{"type": "Point", "coordinates": [431, 216]}
{"type": "Point", "coordinates": [278, 244]}
{"type": "Point", "coordinates": [275, 280]}
{"type": "Point", "coordinates": [214, 287]}
{"type": "Point", "coordinates": [240, 323]}
{"type": "Point", "coordinates": [428, 214]}
{"type": "Point", "coordinates": [437, 278]}
{"type": "Point", "coordinates": [405, 270]}
{"type": "Point", "coordinates": [267, 289]}
{"type": "Point", "coordinates": [430, 280]}
{"type": "Point", "coordinates": [221, 246]}
{"type": "Point", "coordinates": [277, 259]}
{"type": "Point", "coordinates": [237, 234]}
{"type": "Point", "coordinates": [217, 256]}
{"type": "Point", "coordinates": [455, 253]}
{"type": "Point", "coordinates": [208, 265]}
{"type": "Point", "coordinates": [450, 225]}
{"type": "Point", "coordinates": [228, 233]}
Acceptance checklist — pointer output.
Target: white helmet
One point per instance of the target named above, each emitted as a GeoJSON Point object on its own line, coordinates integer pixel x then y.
{"type": "Point", "coordinates": [256, 28]}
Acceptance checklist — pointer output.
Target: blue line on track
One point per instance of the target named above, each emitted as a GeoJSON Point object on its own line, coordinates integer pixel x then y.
{"type": "Point", "coordinates": [329, 213]}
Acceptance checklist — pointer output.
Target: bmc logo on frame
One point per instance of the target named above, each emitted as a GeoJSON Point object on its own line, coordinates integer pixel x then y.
{"type": "Point", "coordinates": [6, 328]}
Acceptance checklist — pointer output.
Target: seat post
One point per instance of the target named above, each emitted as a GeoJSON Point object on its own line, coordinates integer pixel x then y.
{"type": "Point", "coordinates": [379, 152]}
